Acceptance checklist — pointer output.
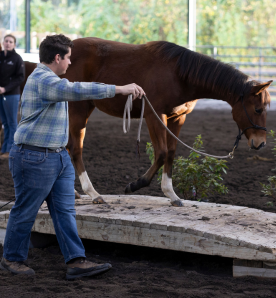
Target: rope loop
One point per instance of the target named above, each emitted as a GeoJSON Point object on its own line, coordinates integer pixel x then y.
{"type": "Point", "coordinates": [127, 110]}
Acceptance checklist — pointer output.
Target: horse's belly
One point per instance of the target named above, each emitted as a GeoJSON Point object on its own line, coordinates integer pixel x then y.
{"type": "Point", "coordinates": [115, 109]}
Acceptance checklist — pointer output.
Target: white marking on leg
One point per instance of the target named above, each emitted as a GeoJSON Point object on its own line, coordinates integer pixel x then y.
{"type": "Point", "coordinates": [87, 186]}
{"type": "Point", "coordinates": [167, 188]}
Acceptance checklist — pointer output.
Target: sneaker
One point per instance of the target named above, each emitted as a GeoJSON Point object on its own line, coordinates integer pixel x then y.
{"type": "Point", "coordinates": [16, 267]}
{"type": "Point", "coordinates": [81, 267]}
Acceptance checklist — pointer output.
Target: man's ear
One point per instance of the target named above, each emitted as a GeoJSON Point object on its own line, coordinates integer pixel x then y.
{"type": "Point", "coordinates": [57, 58]}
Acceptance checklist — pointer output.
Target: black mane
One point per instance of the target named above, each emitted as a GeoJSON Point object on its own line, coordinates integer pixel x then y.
{"type": "Point", "coordinates": [203, 70]}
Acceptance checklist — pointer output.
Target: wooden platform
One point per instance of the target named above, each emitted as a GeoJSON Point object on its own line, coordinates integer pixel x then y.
{"type": "Point", "coordinates": [6, 205]}
{"type": "Point", "coordinates": [205, 228]}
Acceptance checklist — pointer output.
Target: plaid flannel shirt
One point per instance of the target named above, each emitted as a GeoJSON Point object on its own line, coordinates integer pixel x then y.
{"type": "Point", "coordinates": [44, 107]}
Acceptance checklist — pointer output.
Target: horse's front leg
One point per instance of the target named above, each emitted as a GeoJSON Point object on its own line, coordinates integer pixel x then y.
{"type": "Point", "coordinates": [174, 124]}
{"type": "Point", "coordinates": [158, 137]}
{"type": "Point", "coordinates": [77, 128]}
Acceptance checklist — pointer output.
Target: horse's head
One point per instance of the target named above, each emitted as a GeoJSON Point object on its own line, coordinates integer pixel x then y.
{"type": "Point", "coordinates": [250, 113]}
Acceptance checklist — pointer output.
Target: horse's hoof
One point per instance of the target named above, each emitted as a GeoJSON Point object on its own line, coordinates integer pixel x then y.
{"type": "Point", "coordinates": [177, 203]}
{"type": "Point", "coordinates": [77, 195]}
{"type": "Point", "coordinates": [128, 189]}
{"type": "Point", "coordinates": [99, 200]}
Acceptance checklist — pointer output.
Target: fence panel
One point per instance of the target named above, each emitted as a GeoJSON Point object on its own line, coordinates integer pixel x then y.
{"type": "Point", "coordinates": [257, 62]}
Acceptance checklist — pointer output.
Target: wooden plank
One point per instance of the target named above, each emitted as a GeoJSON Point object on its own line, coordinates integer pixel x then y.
{"type": "Point", "coordinates": [243, 268]}
{"type": "Point", "coordinates": [208, 228]}
{"type": "Point", "coordinates": [4, 215]}
{"type": "Point", "coordinates": [247, 263]}
{"type": "Point", "coordinates": [239, 271]}
{"type": "Point", "coordinates": [2, 236]}
{"type": "Point", "coordinates": [5, 205]}
{"type": "Point", "coordinates": [157, 238]}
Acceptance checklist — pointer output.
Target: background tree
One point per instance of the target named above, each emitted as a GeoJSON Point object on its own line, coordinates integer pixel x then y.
{"type": "Point", "coordinates": [219, 22]}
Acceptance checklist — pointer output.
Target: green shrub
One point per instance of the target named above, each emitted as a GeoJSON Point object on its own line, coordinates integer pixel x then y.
{"type": "Point", "coordinates": [150, 152]}
{"type": "Point", "coordinates": [195, 176]}
{"type": "Point", "coordinates": [270, 188]}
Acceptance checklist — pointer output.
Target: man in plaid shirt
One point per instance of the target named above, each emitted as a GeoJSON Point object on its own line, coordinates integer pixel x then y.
{"type": "Point", "coordinates": [41, 166]}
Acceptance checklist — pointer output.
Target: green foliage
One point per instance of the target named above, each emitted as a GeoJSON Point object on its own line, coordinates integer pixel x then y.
{"type": "Point", "coordinates": [236, 23]}
{"type": "Point", "coordinates": [272, 134]}
{"type": "Point", "coordinates": [195, 176]}
{"type": "Point", "coordinates": [46, 16]}
{"type": "Point", "coordinates": [199, 177]}
{"type": "Point", "coordinates": [150, 152]}
{"type": "Point", "coordinates": [219, 22]}
{"type": "Point", "coordinates": [270, 188]}
{"type": "Point", "coordinates": [136, 21]}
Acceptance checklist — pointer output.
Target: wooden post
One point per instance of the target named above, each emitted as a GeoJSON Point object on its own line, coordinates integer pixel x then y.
{"type": "Point", "coordinates": [243, 268]}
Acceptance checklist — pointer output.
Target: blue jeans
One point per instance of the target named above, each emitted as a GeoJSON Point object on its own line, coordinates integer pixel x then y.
{"type": "Point", "coordinates": [8, 115]}
{"type": "Point", "coordinates": [40, 176]}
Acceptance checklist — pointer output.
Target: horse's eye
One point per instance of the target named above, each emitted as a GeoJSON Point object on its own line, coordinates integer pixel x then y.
{"type": "Point", "coordinates": [259, 111]}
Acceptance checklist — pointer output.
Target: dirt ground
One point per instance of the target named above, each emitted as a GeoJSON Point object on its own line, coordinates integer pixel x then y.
{"type": "Point", "coordinates": [111, 164]}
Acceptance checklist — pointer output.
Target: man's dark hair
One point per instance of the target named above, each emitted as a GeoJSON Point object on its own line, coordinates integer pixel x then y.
{"type": "Point", "coordinates": [53, 45]}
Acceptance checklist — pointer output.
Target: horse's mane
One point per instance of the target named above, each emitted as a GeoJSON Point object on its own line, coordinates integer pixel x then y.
{"type": "Point", "coordinates": [203, 70]}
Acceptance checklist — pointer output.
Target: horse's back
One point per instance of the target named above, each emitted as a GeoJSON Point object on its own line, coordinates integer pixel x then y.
{"type": "Point", "coordinates": [95, 59]}
{"type": "Point", "coordinates": [111, 62]}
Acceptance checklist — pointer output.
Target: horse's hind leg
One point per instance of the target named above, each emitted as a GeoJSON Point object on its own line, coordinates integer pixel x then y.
{"type": "Point", "coordinates": [77, 127]}
{"type": "Point", "coordinates": [158, 138]}
{"type": "Point", "coordinates": [174, 124]}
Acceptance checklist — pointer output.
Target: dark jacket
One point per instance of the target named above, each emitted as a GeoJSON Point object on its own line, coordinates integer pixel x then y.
{"type": "Point", "coordinates": [12, 72]}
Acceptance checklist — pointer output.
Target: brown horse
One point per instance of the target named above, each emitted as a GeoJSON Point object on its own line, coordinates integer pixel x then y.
{"type": "Point", "coordinates": [174, 78]}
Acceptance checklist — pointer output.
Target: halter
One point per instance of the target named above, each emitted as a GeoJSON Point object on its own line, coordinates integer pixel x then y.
{"type": "Point", "coordinates": [242, 132]}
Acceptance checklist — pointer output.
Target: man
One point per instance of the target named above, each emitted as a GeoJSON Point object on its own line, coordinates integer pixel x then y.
{"type": "Point", "coordinates": [40, 165]}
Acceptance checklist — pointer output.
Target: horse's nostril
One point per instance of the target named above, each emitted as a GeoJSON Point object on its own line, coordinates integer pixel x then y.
{"type": "Point", "coordinates": [257, 148]}
{"type": "Point", "coordinates": [262, 145]}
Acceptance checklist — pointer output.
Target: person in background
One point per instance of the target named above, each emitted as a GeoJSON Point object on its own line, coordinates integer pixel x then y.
{"type": "Point", "coordinates": [12, 72]}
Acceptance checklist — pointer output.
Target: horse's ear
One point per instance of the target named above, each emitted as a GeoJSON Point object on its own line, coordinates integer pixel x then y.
{"type": "Point", "coordinates": [261, 87]}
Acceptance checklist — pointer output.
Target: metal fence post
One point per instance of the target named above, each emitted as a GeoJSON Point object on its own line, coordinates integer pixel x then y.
{"type": "Point", "coordinates": [260, 63]}
{"type": "Point", "coordinates": [215, 52]}
{"type": "Point", "coordinates": [27, 26]}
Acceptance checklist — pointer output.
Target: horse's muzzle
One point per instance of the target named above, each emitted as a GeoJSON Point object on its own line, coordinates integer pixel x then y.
{"type": "Point", "coordinates": [257, 148]}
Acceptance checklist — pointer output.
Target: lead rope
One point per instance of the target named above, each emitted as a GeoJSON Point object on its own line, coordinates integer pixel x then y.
{"type": "Point", "coordinates": [7, 203]}
{"type": "Point", "coordinates": [127, 110]}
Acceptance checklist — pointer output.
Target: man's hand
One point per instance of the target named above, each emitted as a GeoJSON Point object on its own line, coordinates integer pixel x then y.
{"type": "Point", "coordinates": [133, 89]}
{"type": "Point", "coordinates": [2, 90]}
